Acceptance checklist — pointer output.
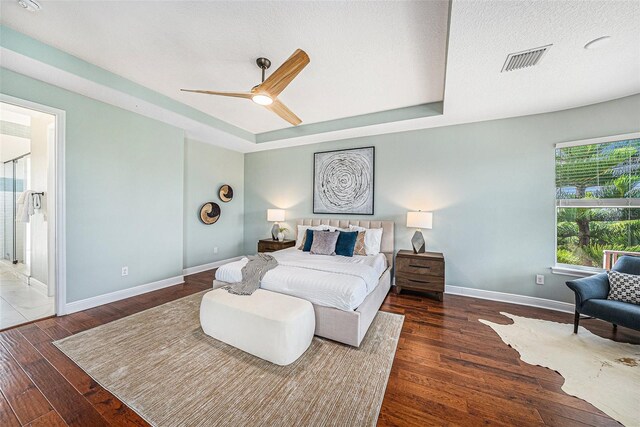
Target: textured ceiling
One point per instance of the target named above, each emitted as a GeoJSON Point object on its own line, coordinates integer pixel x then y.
{"type": "Point", "coordinates": [483, 33]}
{"type": "Point", "coordinates": [365, 56]}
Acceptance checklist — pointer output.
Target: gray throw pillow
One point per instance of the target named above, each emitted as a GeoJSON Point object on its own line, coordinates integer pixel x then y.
{"type": "Point", "coordinates": [324, 242]}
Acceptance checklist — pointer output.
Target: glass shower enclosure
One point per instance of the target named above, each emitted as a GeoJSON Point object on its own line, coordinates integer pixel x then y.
{"type": "Point", "coordinates": [14, 182]}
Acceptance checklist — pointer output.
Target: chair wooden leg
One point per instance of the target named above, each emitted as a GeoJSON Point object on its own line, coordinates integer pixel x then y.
{"type": "Point", "coordinates": [576, 321]}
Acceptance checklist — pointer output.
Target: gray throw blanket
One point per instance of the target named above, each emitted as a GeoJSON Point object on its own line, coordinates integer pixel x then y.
{"type": "Point", "coordinates": [252, 274]}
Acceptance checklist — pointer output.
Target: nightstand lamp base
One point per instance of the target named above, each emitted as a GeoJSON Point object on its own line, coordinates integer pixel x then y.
{"type": "Point", "coordinates": [418, 243]}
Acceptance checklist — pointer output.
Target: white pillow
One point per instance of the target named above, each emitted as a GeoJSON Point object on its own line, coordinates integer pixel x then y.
{"type": "Point", "coordinates": [302, 230]}
{"type": "Point", "coordinates": [372, 239]}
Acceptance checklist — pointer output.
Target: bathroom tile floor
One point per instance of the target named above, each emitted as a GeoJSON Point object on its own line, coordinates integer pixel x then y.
{"type": "Point", "coordinates": [19, 302]}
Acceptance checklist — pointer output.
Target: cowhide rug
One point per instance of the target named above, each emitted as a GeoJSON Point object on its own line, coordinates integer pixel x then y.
{"type": "Point", "coordinates": [603, 372]}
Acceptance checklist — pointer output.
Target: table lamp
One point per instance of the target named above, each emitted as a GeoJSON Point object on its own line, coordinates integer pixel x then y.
{"type": "Point", "coordinates": [419, 220]}
{"type": "Point", "coordinates": [275, 215]}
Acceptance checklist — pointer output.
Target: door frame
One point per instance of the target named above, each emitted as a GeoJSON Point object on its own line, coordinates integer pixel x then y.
{"type": "Point", "coordinates": [56, 203]}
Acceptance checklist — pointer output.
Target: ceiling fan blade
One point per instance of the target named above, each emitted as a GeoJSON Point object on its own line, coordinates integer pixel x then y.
{"type": "Point", "coordinates": [281, 77]}
{"type": "Point", "coordinates": [280, 109]}
{"type": "Point", "coordinates": [246, 95]}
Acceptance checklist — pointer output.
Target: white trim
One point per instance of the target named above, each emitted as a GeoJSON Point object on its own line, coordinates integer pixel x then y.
{"type": "Point", "coordinates": [33, 68]}
{"type": "Point", "coordinates": [38, 286]}
{"type": "Point", "coordinates": [56, 202]}
{"type": "Point", "coordinates": [88, 303]}
{"type": "Point", "coordinates": [570, 270]}
{"type": "Point", "coordinates": [511, 298]}
{"type": "Point", "coordinates": [22, 278]}
{"type": "Point", "coordinates": [622, 137]}
{"type": "Point", "coordinates": [11, 269]}
{"type": "Point", "coordinates": [598, 203]}
{"type": "Point", "coordinates": [209, 266]}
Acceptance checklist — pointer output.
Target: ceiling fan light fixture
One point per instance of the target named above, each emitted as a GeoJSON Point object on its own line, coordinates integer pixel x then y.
{"type": "Point", "coordinates": [262, 99]}
{"type": "Point", "coordinates": [266, 93]}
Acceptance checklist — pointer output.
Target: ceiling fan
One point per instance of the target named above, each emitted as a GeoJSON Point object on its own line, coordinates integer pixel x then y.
{"type": "Point", "coordinates": [266, 93]}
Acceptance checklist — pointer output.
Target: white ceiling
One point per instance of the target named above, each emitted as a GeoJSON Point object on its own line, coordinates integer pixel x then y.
{"type": "Point", "coordinates": [11, 146]}
{"type": "Point", "coordinates": [365, 56]}
{"type": "Point", "coordinates": [14, 114]}
{"type": "Point", "coordinates": [20, 115]}
{"type": "Point", "coordinates": [481, 35]}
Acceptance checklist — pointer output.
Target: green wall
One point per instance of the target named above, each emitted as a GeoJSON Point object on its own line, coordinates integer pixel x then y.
{"type": "Point", "coordinates": [124, 191]}
{"type": "Point", "coordinates": [207, 167]}
{"type": "Point", "coordinates": [134, 186]}
{"type": "Point", "coordinates": [490, 185]}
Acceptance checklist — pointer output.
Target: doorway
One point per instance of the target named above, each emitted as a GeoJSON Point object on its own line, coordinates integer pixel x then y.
{"type": "Point", "coordinates": [27, 292]}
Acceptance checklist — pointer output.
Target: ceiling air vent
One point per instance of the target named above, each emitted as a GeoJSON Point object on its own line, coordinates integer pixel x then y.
{"type": "Point", "coordinates": [524, 59]}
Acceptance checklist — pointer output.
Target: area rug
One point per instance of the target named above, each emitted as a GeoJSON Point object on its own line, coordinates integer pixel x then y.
{"type": "Point", "coordinates": [603, 372]}
{"type": "Point", "coordinates": [161, 364]}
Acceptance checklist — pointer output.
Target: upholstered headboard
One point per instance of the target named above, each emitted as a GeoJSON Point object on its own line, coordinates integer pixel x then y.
{"type": "Point", "coordinates": [386, 246]}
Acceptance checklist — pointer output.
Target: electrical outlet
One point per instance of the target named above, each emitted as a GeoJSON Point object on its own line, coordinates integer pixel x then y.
{"type": "Point", "coordinates": [125, 271]}
{"type": "Point", "coordinates": [215, 250]}
{"type": "Point", "coordinates": [539, 279]}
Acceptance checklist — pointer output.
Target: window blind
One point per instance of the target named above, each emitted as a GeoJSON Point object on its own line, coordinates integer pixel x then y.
{"type": "Point", "coordinates": [592, 175]}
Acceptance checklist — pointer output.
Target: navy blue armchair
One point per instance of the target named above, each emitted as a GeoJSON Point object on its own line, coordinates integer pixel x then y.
{"type": "Point", "coordinates": [591, 297]}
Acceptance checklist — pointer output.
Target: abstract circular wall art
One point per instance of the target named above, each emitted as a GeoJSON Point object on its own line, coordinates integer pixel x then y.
{"type": "Point", "coordinates": [225, 193]}
{"type": "Point", "coordinates": [209, 213]}
{"type": "Point", "coordinates": [343, 181]}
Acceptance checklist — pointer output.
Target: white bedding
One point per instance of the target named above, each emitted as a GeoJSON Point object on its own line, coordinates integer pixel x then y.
{"type": "Point", "coordinates": [332, 281]}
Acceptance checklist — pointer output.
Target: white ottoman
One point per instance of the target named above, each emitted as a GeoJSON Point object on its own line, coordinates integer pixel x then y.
{"type": "Point", "coordinates": [272, 326]}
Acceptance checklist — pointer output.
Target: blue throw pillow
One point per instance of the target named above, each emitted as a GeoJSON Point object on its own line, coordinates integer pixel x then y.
{"type": "Point", "coordinates": [346, 243]}
{"type": "Point", "coordinates": [308, 241]}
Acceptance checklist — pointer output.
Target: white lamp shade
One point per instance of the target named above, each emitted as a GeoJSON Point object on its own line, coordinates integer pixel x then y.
{"type": "Point", "coordinates": [420, 219]}
{"type": "Point", "coordinates": [275, 215]}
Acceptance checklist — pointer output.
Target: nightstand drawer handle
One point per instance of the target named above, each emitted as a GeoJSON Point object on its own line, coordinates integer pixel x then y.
{"type": "Point", "coordinates": [419, 281]}
{"type": "Point", "coordinates": [418, 266]}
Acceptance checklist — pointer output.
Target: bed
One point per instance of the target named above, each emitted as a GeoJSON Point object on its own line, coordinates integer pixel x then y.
{"type": "Point", "coordinates": [344, 307]}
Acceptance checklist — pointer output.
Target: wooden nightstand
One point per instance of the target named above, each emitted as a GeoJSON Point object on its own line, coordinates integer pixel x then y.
{"type": "Point", "coordinates": [270, 245]}
{"type": "Point", "coordinates": [420, 272]}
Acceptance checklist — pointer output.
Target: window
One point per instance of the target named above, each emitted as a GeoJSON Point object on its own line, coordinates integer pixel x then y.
{"type": "Point", "coordinates": [597, 200]}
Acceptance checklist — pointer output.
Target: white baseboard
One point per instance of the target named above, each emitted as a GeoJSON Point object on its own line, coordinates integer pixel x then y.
{"type": "Point", "coordinates": [209, 266]}
{"type": "Point", "coordinates": [511, 298]}
{"type": "Point", "coordinates": [72, 307]}
{"type": "Point", "coordinates": [88, 303]}
{"type": "Point", "coordinates": [39, 286]}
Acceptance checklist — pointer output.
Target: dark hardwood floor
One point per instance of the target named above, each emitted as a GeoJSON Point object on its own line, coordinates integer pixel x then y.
{"type": "Point", "coordinates": [449, 368]}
